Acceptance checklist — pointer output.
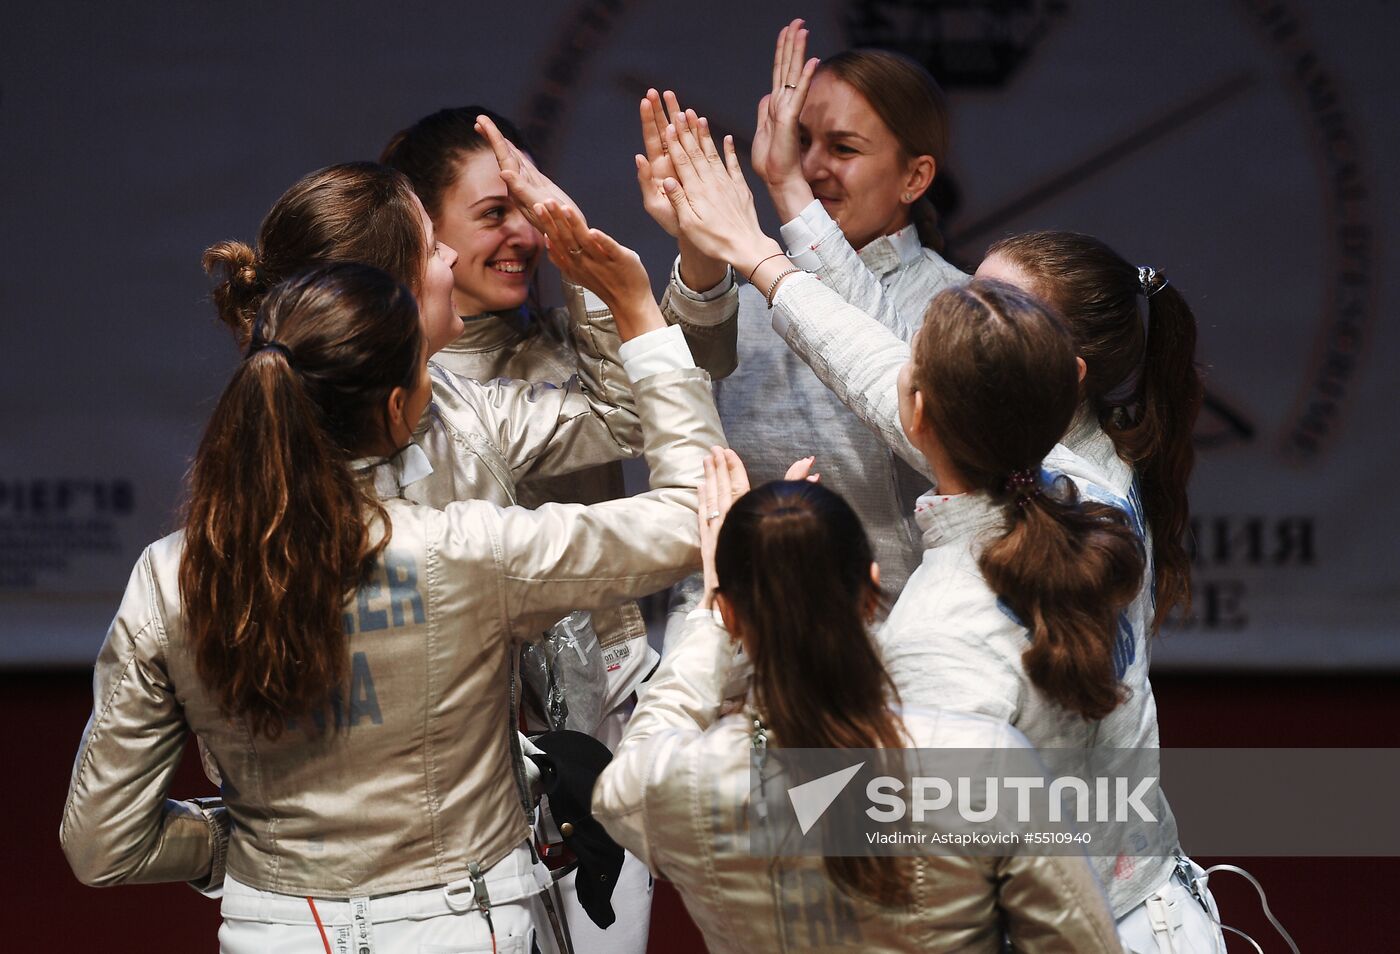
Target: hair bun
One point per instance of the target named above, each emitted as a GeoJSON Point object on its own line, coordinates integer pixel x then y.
{"type": "Point", "coordinates": [247, 274]}
{"type": "Point", "coordinates": [239, 283]}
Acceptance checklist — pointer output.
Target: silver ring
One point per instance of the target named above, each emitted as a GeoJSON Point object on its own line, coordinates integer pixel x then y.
{"type": "Point", "coordinates": [576, 251]}
{"type": "Point", "coordinates": [714, 515]}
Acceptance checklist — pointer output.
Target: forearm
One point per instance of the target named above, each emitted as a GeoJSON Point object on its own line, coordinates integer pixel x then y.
{"type": "Point", "coordinates": [562, 556]}
{"type": "Point", "coordinates": [688, 688]}
{"type": "Point", "coordinates": [709, 319]}
{"type": "Point", "coordinates": [855, 356]}
{"type": "Point", "coordinates": [118, 825]}
{"type": "Point", "coordinates": [817, 244]}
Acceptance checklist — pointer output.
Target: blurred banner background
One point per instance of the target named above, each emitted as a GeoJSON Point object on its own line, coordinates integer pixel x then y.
{"type": "Point", "coordinates": [1237, 146]}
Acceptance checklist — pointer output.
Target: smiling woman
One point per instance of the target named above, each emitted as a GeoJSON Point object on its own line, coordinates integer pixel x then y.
{"type": "Point", "coordinates": [848, 150]}
{"type": "Point", "coordinates": [456, 172]}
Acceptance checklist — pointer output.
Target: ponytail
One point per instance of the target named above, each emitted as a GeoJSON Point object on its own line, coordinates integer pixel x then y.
{"type": "Point", "coordinates": [997, 372]}
{"type": "Point", "coordinates": [278, 531]}
{"type": "Point", "coordinates": [794, 569]}
{"type": "Point", "coordinates": [1159, 441]}
{"type": "Point", "coordinates": [1144, 388]}
{"type": "Point", "coordinates": [1067, 570]}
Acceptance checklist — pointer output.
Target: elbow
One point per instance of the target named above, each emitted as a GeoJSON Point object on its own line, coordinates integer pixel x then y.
{"type": "Point", "coordinates": [91, 862]}
{"type": "Point", "coordinates": [89, 868]}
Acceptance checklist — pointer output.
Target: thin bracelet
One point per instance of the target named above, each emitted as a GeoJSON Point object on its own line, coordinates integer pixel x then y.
{"type": "Point", "coordinates": [773, 288]}
{"type": "Point", "coordinates": [760, 263]}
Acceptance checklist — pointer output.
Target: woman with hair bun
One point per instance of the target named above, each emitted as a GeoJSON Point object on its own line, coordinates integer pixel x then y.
{"type": "Point", "coordinates": [989, 386]}
{"type": "Point", "coordinates": [481, 440]}
{"type": "Point", "coordinates": [343, 651]}
{"type": "Point", "coordinates": [848, 150]}
{"type": "Point", "coordinates": [790, 572]}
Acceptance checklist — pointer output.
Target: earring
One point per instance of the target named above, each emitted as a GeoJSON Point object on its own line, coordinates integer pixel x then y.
{"type": "Point", "coordinates": [907, 197]}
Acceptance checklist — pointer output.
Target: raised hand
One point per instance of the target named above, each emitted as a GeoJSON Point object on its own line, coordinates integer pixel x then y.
{"type": "Point", "coordinates": [654, 166]}
{"type": "Point", "coordinates": [698, 270]}
{"type": "Point", "coordinates": [591, 258]}
{"type": "Point", "coordinates": [802, 470]}
{"type": "Point", "coordinates": [777, 145]}
{"type": "Point", "coordinates": [777, 148]}
{"type": "Point", "coordinates": [528, 187]}
{"type": "Point", "coordinates": [714, 207]}
{"type": "Point", "coordinates": [725, 482]}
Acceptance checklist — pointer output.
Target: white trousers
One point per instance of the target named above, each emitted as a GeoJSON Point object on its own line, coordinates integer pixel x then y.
{"type": "Point", "coordinates": [631, 902]}
{"type": "Point", "coordinates": [1172, 921]}
{"type": "Point", "coordinates": [427, 921]}
{"type": "Point", "coordinates": [631, 897]}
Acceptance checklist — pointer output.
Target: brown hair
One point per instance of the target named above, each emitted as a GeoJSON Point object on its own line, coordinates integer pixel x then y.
{"type": "Point", "coordinates": [429, 151]}
{"type": "Point", "coordinates": [999, 381]}
{"type": "Point", "coordinates": [794, 567]}
{"type": "Point", "coordinates": [277, 532]}
{"type": "Point", "coordinates": [912, 106]}
{"type": "Point", "coordinates": [1144, 388]}
{"type": "Point", "coordinates": [354, 212]}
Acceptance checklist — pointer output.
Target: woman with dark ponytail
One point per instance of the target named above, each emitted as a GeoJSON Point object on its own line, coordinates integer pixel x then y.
{"type": "Point", "coordinates": [1141, 391]}
{"type": "Point", "coordinates": [343, 652]}
{"type": "Point", "coordinates": [789, 573]}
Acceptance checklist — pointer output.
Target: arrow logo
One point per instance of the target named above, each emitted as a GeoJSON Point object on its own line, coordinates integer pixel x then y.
{"type": "Point", "coordinates": [810, 800]}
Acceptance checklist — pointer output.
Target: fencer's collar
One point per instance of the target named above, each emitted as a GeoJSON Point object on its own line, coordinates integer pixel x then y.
{"type": "Point", "coordinates": [890, 252]}
{"type": "Point", "coordinates": [392, 474]}
{"type": "Point", "coordinates": [946, 518]}
{"type": "Point", "coordinates": [490, 331]}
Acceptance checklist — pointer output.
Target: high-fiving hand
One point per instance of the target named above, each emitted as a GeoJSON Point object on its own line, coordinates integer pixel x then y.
{"type": "Point", "coordinates": [591, 258]}
{"type": "Point", "coordinates": [725, 482]}
{"type": "Point", "coordinates": [713, 205]}
{"type": "Point", "coordinates": [777, 141]}
{"type": "Point", "coordinates": [528, 187]}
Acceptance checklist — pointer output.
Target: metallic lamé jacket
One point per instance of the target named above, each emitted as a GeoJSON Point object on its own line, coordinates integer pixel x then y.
{"type": "Point", "coordinates": [946, 641]}
{"type": "Point", "coordinates": [406, 777]}
{"type": "Point", "coordinates": [553, 347]}
{"type": "Point", "coordinates": [677, 795]}
{"type": "Point", "coordinates": [775, 409]}
{"type": "Point", "coordinates": [485, 440]}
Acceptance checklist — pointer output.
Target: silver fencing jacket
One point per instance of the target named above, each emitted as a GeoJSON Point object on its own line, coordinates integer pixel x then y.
{"type": "Point", "coordinates": [552, 346]}
{"type": "Point", "coordinates": [677, 795]}
{"type": "Point", "coordinates": [406, 777]}
{"type": "Point", "coordinates": [577, 342]}
{"type": "Point", "coordinates": [775, 409]}
{"type": "Point", "coordinates": [947, 642]}
{"type": "Point", "coordinates": [485, 439]}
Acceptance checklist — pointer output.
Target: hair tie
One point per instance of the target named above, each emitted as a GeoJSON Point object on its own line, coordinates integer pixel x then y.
{"type": "Point", "coordinates": [1150, 281]}
{"type": "Point", "coordinates": [271, 346]}
{"type": "Point", "coordinates": [1023, 484]}
{"type": "Point", "coordinates": [256, 342]}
